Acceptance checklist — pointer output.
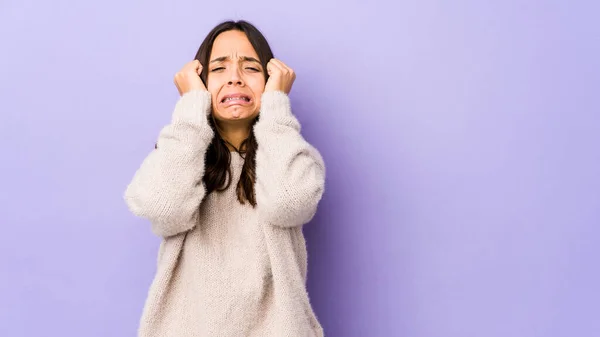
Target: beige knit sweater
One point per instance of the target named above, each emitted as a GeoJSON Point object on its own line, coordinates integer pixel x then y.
{"type": "Point", "coordinates": [227, 269]}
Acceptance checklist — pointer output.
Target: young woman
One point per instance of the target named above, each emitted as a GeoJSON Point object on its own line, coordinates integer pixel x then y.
{"type": "Point", "coordinates": [228, 187]}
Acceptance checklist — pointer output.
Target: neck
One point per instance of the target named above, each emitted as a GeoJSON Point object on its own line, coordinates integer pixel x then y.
{"type": "Point", "coordinates": [234, 134]}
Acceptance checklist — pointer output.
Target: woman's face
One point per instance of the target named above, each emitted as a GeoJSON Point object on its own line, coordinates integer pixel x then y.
{"type": "Point", "coordinates": [235, 78]}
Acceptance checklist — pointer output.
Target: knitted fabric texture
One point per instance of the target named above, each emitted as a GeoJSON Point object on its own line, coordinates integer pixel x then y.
{"type": "Point", "coordinates": [224, 268]}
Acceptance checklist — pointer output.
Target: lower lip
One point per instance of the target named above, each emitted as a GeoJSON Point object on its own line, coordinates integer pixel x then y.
{"type": "Point", "coordinates": [236, 102]}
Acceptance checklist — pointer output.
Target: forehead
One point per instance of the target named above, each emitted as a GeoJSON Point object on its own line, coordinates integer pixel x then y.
{"type": "Point", "coordinates": [234, 44]}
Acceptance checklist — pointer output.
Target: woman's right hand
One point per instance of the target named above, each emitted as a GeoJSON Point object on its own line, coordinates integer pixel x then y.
{"type": "Point", "coordinates": [188, 78]}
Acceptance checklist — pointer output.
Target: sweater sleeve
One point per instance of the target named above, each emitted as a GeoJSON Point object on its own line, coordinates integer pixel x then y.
{"type": "Point", "coordinates": [167, 188]}
{"type": "Point", "coordinates": [290, 172]}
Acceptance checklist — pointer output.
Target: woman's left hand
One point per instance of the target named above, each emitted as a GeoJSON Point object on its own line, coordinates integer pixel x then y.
{"type": "Point", "coordinates": [281, 77]}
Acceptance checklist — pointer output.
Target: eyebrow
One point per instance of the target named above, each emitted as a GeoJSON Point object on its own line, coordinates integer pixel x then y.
{"type": "Point", "coordinates": [243, 58]}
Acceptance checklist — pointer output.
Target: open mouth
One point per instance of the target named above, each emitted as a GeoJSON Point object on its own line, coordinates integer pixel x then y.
{"type": "Point", "coordinates": [235, 99]}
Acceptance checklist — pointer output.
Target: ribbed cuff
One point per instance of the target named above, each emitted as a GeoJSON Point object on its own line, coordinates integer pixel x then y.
{"type": "Point", "coordinates": [193, 107]}
{"type": "Point", "coordinates": [274, 104]}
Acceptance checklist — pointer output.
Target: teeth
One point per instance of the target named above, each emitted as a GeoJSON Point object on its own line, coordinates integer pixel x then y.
{"type": "Point", "coordinates": [236, 98]}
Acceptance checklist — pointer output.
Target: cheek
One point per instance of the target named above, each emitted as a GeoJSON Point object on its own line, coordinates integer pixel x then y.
{"type": "Point", "coordinates": [213, 87]}
{"type": "Point", "coordinates": [212, 83]}
{"type": "Point", "coordinates": [257, 85]}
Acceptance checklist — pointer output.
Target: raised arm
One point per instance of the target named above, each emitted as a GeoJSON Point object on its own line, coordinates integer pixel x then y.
{"type": "Point", "coordinates": [167, 188]}
{"type": "Point", "coordinates": [290, 173]}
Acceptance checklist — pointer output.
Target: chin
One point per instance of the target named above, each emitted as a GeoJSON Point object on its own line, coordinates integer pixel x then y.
{"type": "Point", "coordinates": [235, 117]}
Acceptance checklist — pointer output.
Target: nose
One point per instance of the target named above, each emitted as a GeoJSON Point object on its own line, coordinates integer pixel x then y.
{"type": "Point", "coordinates": [236, 77]}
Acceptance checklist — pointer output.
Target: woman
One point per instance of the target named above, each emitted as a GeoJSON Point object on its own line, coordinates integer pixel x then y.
{"type": "Point", "coordinates": [228, 187]}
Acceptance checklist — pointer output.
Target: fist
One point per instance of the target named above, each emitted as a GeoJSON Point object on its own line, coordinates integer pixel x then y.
{"type": "Point", "coordinates": [281, 77]}
{"type": "Point", "coordinates": [188, 78]}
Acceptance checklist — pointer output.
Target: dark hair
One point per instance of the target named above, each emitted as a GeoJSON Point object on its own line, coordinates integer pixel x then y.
{"type": "Point", "coordinates": [217, 173]}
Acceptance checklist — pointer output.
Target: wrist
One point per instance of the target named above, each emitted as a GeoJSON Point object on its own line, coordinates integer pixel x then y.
{"type": "Point", "coordinates": [193, 106]}
{"type": "Point", "coordinates": [273, 103]}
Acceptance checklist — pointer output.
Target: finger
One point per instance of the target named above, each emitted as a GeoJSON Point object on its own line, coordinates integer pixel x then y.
{"type": "Point", "coordinates": [271, 68]}
{"type": "Point", "coordinates": [194, 65]}
{"type": "Point", "coordinates": [285, 69]}
{"type": "Point", "coordinates": [275, 66]}
{"type": "Point", "coordinates": [278, 63]}
{"type": "Point", "coordinates": [282, 65]}
{"type": "Point", "coordinates": [197, 67]}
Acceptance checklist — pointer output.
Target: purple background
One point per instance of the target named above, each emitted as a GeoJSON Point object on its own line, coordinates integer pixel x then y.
{"type": "Point", "coordinates": [463, 191]}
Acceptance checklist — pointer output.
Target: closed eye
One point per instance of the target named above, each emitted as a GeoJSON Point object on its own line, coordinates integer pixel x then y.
{"type": "Point", "coordinates": [218, 69]}
{"type": "Point", "coordinates": [253, 69]}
